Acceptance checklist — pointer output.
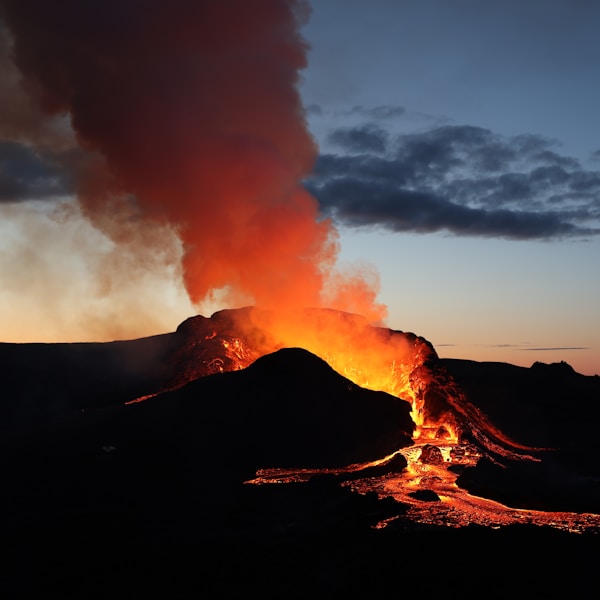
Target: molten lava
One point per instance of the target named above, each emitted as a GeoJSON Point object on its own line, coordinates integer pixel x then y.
{"type": "Point", "coordinates": [377, 358]}
{"type": "Point", "coordinates": [449, 432]}
{"type": "Point", "coordinates": [373, 357]}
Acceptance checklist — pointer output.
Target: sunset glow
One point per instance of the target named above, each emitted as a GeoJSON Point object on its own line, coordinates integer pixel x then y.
{"type": "Point", "coordinates": [299, 297]}
{"type": "Point", "coordinates": [249, 183]}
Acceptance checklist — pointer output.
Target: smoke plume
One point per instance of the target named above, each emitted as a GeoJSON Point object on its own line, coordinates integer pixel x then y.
{"type": "Point", "coordinates": [187, 116]}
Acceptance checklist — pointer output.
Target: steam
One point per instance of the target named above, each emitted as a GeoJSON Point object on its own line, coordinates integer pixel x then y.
{"type": "Point", "coordinates": [187, 117]}
{"type": "Point", "coordinates": [64, 280]}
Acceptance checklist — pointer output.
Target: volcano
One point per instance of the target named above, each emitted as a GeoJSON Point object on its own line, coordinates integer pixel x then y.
{"type": "Point", "coordinates": [255, 430]}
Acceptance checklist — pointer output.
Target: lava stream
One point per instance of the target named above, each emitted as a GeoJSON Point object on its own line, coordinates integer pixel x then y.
{"type": "Point", "coordinates": [450, 432]}
{"type": "Point", "coordinates": [455, 507]}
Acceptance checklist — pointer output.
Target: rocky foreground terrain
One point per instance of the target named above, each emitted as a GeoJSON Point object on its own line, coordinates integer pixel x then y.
{"type": "Point", "coordinates": [107, 497]}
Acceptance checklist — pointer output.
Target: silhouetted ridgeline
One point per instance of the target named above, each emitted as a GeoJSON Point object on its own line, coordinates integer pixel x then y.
{"type": "Point", "coordinates": [106, 500]}
{"type": "Point", "coordinates": [546, 405]}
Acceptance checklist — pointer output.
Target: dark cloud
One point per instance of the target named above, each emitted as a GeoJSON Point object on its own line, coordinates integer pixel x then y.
{"type": "Point", "coordinates": [368, 138]}
{"type": "Point", "coordinates": [583, 181]}
{"type": "Point", "coordinates": [556, 348]}
{"type": "Point", "coordinates": [400, 209]}
{"type": "Point", "coordinates": [313, 109]}
{"type": "Point", "coordinates": [26, 174]}
{"type": "Point", "coordinates": [383, 111]}
{"type": "Point", "coordinates": [364, 166]}
{"type": "Point", "coordinates": [550, 158]}
{"type": "Point", "coordinates": [370, 113]}
{"type": "Point", "coordinates": [459, 179]}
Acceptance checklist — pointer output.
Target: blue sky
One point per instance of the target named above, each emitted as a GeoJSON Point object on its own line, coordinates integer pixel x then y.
{"type": "Point", "coordinates": [460, 154]}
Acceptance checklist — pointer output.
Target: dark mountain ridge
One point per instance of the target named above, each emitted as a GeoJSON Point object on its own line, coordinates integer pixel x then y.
{"type": "Point", "coordinates": [545, 406]}
{"type": "Point", "coordinates": [148, 495]}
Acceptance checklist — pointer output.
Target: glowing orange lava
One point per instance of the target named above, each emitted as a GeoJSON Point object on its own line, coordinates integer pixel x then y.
{"type": "Point", "coordinates": [399, 364]}
{"type": "Point", "coordinates": [449, 431]}
{"type": "Point", "coordinates": [373, 357]}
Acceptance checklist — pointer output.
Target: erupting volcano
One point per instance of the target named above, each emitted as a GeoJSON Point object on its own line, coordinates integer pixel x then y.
{"type": "Point", "coordinates": [185, 130]}
{"type": "Point", "coordinates": [234, 432]}
{"type": "Point", "coordinates": [449, 433]}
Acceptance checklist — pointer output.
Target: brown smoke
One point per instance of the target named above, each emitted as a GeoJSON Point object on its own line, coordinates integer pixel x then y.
{"type": "Point", "coordinates": [189, 115]}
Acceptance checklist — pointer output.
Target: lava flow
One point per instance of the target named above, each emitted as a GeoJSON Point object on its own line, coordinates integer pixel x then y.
{"type": "Point", "coordinates": [449, 434]}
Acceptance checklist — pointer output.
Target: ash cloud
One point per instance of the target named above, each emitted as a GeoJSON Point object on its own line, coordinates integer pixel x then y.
{"type": "Point", "coordinates": [27, 174]}
{"type": "Point", "coordinates": [186, 115]}
{"type": "Point", "coordinates": [462, 180]}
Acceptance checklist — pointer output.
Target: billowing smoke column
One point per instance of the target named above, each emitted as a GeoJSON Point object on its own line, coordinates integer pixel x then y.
{"type": "Point", "coordinates": [189, 114]}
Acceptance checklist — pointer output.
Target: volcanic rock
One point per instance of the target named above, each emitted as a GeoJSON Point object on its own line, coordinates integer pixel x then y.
{"type": "Point", "coordinates": [545, 409]}
{"type": "Point", "coordinates": [442, 433]}
{"type": "Point", "coordinates": [542, 406]}
{"type": "Point", "coordinates": [431, 455]}
{"type": "Point", "coordinates": [147, 498]}
{"type": "Point", "coordinates": [288, 409]}
{"type": "Point", "coordinates": [44, 383]}
{"type": "Point", "coordinates": [539, 486]}
{"type": "Point", "coordinates": [395, 465]}
{"type": "Point", "coordinates": [252, 412]}
{"type": "Point", "coordinates": [425, 495]}
{"type": "Point", "coordinates": [291, 409]}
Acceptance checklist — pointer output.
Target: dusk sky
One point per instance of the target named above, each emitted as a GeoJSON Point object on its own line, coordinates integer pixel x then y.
{"type": "Point", "coordinates": [458, 154]}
